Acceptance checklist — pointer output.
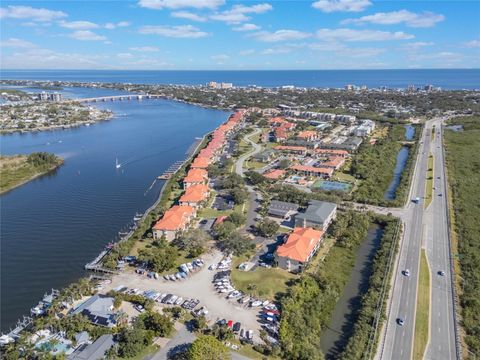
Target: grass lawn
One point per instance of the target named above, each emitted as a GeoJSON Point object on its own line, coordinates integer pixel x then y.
{"type": "Point", "coordinates": [149, 350]}
{"type": "Point", "coordinates": [341, 176]}
{"type": "Point", "coordinates": [265, 283]}
{"type": "Point", "coordinates": [429, 183]}
{"type": "Point", "coordinates": [422, 318]}
{"type": "Point", "coordinates": [251, 164]}
{"type": "Point", "coordinates": [320, 256]}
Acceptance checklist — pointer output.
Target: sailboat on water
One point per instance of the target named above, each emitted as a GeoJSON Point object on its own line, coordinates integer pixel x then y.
{"type": "Point", "coordinates": [117, 164]}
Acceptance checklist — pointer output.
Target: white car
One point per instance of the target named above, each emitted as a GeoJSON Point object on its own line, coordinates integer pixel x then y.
{"type": "Point", "coordinates": [212, 267]}
{"type": "Point", "coordinates": [406, 272]}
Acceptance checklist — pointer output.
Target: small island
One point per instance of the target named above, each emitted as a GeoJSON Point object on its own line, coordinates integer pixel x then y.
{"type": "Point", "coordinates": [16, 170]}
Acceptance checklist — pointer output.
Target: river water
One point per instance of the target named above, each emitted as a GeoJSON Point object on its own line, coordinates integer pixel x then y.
{"type": "Point", "coordinates": [334, 337]}
{"type": "Point", "coordinates": [402, 158]}
{"type": "Point", "coordinates": [52, 226]}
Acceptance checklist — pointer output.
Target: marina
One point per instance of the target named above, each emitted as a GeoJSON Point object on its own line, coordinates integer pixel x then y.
{"type": "Point", "coordinates": [94, 202]}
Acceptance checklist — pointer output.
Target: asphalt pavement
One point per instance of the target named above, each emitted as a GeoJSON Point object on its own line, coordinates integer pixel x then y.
{"type": "Point", "coordinates": [423, 228]}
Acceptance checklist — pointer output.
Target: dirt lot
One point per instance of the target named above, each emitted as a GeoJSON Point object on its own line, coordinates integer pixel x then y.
{"type": "Point", "coordinates": [199, 286]}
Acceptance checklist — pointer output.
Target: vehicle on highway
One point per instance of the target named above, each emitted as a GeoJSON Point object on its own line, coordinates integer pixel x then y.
{"type": "Point", "coordinates": [416, 200]}
{"type": "Point", "coordinates": [441, 273]}
{"type": "Point", "coordinates": [400, 321]}
{"type": "Point", "coordinates": [406, 272]}
{"type": "Point", "coordinates": [439, 194]}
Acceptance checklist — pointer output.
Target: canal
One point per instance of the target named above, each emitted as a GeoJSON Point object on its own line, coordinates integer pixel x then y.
{"type": "Point", "coordinates": [335, 337]}
{"type": "Point", "coordinates": [402, 158]}
{"type": "Point", "coordinates": [53, 225]}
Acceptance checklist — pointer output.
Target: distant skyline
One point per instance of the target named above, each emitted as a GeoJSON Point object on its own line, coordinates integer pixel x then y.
{"type": "Point", "coordinates": [240, 35]}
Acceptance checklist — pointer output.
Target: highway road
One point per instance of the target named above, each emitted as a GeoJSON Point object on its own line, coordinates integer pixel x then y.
{"type": "Point", "coordinates": [442, 339]}
{"type": "Point", "coordinates": [422, 229]}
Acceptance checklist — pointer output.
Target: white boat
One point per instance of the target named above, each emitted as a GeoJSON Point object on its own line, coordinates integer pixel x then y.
{"type": "Point", "coordinates": [117, 164]}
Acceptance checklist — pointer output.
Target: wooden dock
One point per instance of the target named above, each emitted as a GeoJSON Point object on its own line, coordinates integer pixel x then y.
{"type": "Point", "coordinates": [171, 170]}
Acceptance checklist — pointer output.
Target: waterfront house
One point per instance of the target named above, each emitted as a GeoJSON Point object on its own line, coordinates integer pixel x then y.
{"type": "Point", "coordinates": [95, 351]}
{"type": "Point", "coordinates": [195, 177]}
{"type": "Point", "coordinates": [298, 250]}
{"type": "Point", "coordinates": [319, 214]}
{"type": "Point", "coordinates": [195, 195]}
{"type": "Point", "coordinates": [99, 310]}
{"type": "Point", "coordinates": [200, 162]}
{"type": "Point", "coordinates": [174, 221]}
{"type": "Point", "coordinates": [323, 172]}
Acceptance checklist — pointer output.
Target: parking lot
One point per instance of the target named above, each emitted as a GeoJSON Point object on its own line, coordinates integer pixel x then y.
{"type": "Point", "coordinates": [199, 286]}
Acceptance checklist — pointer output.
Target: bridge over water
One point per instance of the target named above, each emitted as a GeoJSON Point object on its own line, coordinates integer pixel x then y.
{"type": "Point", "coordinates": [117, 98]}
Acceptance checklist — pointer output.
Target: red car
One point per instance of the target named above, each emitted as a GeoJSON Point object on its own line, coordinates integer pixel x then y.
{"type": "Point", "coordinates": [230, 323]}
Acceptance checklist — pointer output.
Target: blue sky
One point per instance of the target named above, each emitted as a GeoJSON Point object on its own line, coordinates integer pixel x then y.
{"type": "Point", "coordinates": [219, 34]}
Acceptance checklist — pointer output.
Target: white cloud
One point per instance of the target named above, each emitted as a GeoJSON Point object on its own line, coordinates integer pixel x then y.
{"type": "Point", "coordinates": [246, 27]}
{"type": "Point", "coordinates": [182, 31]}
{"type": "Point", "coordinates": [87, 35]}
{"type": "Point", "coordinates": [125, 55]}
{"type": "Point", "coordinates": [78, 25]}
{"type": "Point", "coordinates": [441, 58]}
{"type": "Point", "coordinates": [425, 19]}
{"type": "Point", "coordinates": [329, 6]}
{"type": "Point", "coordinates": [188, 15]}
{"type": "Point", "coordinates": [111, 26]}
{"type": "Point", "coordinates": [277, 50]}
{"type": "Point", "coordinates": [178, 4]}
{"type": "Point", "coordinates": [340, 49]}
{"type": "Point", "coordinates": [48, 59]}
{"type": "Point", "coordinates": [237, 13]}
{"type": "Point", "coordinates": [344, 34]}
{"type": "Point", "coordinates": [16, 43]}
{"type": "Point", "coordinates": [221, 57]}
{"type": "Point", "coordinates": [145, 48]}
{"type": "Point", "coordinates": [414, 46]}
{"type": "Point", "coordinates": [280, 35]}
{"type": "Point", "coordinates": [33, 14]}
{"type": "Point", "coordinates": [246, 52]}
{"type": "Point", "coordinates": [473, 43]}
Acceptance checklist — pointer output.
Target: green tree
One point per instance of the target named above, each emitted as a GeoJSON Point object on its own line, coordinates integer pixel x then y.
{"type": "Point", "coordinates": [207, 347]}
{"type": "Point", "coordinates": [160, 324]}
{"type": "Point", "coordinates": [225, 229]}
{"type": "Point", "coordinates": [267, 227]}
{"type": "Point", "coordinates": [237, 243]}
{"type": "Point", "coordinates": [236, 218]}
{"type": "Point", "coordinates": [132, 341]}
{"type": "Point", "coordinates": [239, 195]}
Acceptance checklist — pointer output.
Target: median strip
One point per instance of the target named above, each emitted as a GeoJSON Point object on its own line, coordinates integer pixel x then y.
{"type": "Point", "coordinates": [429, 182]}
{"type": "Point", "coordinates": [422, 317]}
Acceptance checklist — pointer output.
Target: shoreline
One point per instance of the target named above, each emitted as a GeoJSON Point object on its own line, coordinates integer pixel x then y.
{"type": "Point", "coordinates": [33, 177]}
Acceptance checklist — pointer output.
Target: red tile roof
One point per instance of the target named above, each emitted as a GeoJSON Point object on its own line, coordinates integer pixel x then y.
{"type": "Point", "coordinates": [195, 194]}
{"type": "Point", "coordinates": [274, 174]}
{"type": "Point", "coordinates": [332, 152]}
{"type": "Point", "coordinates": [175, 219]}
{"type": "Point", "coordinates": [290, 148]}
{"type": "Point", "coordinates": [312, 169]}
{"type": "Point", "coordinates": [200, 162]}
{"type": "Point", "coordinates": [195, 175]}
{"type": "Point", "coordinates": [300, 244]}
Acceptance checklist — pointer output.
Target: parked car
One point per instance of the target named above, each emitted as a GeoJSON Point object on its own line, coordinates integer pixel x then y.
{"type": "Point", "coordinates": [179, 301]}
{"type": "Point", "coordinates": [139, 308]}
{"type": "Point", "coordinates": [236, 327]}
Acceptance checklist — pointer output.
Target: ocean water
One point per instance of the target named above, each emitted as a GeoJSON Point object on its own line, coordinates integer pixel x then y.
{"type": "Point", "coordinates": [444, 78]}
{"type": "Point", "coordinates": [52, 226]}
